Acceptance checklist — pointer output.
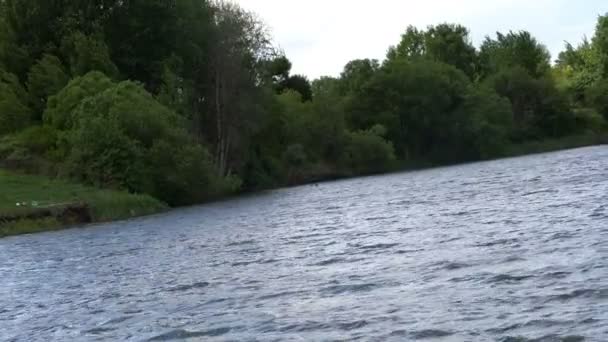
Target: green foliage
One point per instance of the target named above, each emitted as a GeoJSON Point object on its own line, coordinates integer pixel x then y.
{"type": "Point", "coordinates": [101, 154]}
{"type": "Point", "coordinates": [450, 44]}
{"type": "Point", "coordinates": [125, 139]}
{"type": "Point", "coordinates": [597, 97]}
{"type": "Point", "coordinates": [578, 69]}
{"type": "Point", "coordinates": [539, 108]}
{"type": "Point", "coordinates": [185, 174]}
{"type": "Point", "coordinates": [37, 139]}
{"type": "Point", "coordinates": [417, 102]}
{"type": "Point", "coordinates": [47, 77]}
{"type": "Point", "coordinates": [514, 49]}
{"type": "Point", "coordinates": [14, 112]}
{"type": "Point", "coordinates": [600, 42]}
{"type": "Point", "coordinates": [357, 74]}
{"type": "Point", "coordinates": [175, 91]}
{"type": "Point", "coordinates": [61, 106]}
{"type": "Point", "coordinates": [278, 71]}
{"type": "Point", "coordinates": [411, 46]}
{"type": "Point", "coordinates": [589, 120]}
{"type": "Point", "coordinates": [86, 54]}
{"type": "Point", "coordinates": [301, 84]}
{"type": "Point", "coordinates": [368, 152]}
{"type": "Point", "coordinates": [488, 121]}
{"type": "Point", "coordinates": [445, 43]}
{"type": "Point", "coordinates": [295, 155]}
{"type": "Point", "coordinates": [207, 101]}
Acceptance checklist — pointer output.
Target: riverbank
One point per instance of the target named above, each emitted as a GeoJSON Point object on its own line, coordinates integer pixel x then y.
{"type": "Point", "coordinates": [553, 145]}
{"type": "Point", "coordinates": [31, 204]}
{"type": "Point", "coordinates": [514, 150]}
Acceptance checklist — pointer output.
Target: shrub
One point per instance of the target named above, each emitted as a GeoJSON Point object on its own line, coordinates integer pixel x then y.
{"type": "Point", "coordinates": [368, 152]}
{"type": "Point", "coordinates": [60, 107]}
{"type": "Point", "coordinates": [123, 138]}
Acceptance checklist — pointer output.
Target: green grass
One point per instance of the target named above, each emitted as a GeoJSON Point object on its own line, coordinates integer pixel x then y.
{"type": "Point", "coordinates": [37, 191]}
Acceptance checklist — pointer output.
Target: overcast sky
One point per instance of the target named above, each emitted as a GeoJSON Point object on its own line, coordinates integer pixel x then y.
{"type": "Point", "coordinates": [321, 36]}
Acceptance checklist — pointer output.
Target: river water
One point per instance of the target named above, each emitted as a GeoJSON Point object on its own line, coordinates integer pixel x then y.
{"type": "Point", "coordinates": [509, 250]}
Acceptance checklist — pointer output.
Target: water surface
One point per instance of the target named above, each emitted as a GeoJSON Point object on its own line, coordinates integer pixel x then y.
{"type": "Point", "coordinates": [492, 251]}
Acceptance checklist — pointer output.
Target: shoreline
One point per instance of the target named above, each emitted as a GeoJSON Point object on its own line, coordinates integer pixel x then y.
{"type": "Point", "coordinates": [112, 206]}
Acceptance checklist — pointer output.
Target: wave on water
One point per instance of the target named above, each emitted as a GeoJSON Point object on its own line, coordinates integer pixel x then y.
{"type": "Point", "coordinates": [181, 288]}
{"type": "Point", "coordinates": [181, 334]}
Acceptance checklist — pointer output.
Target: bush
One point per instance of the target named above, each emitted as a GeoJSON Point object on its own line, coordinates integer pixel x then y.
{"type": "Point", "coordinates": [123, 138]}
{"type": "Point", "coordinates": [37, 139]}
{"type": "Point", "coordinates": [185, 175]}
{"type": "Point", "coordinates": [28, 150]}
{"type": "Point", "coordinates": [367, 152]}
{"type": "Point", "coordinates": [103, 155]}
{"type": "Point", "coordinates": [589, 120]}
{"type": "Point", "coordinates": [60, 107]}
{"type": "Point", "coordinates": [134, 110]}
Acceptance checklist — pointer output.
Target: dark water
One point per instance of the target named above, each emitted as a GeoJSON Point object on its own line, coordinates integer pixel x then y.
{"type": "Point", "coordinates": [511, 250]}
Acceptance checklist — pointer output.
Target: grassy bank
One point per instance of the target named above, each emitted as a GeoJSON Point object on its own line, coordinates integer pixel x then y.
{"type": "Point", "coordinates": [35, 192]}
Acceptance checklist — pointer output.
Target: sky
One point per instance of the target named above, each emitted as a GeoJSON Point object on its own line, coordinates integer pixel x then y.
{"type": "Point", "coordinates": [321, 36]}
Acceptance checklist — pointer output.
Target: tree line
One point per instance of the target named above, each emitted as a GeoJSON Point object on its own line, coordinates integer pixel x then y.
{"type": "Point", "coordinates": [188, 100]}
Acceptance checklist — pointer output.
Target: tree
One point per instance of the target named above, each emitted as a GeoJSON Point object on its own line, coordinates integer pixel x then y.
{"type": "Point", "coordinates": [86, 54]}
{"type": "Point", "coordinates": [451, 44]}
{"type": "Point", "coordinates": [539, 108]}
{"type": "Point", "coordinates": [14, 112]}
{"type": "Point", "coordinates": [597, 97]}
{"type": "Point", "coordinates": [417, 101]}
{"type": "Point", "coordinates": [240, 50]}
{"type": "Point", "coordinates": [600, 42]}
{"type": "Point", "coordinates": [514, 49]}
{"type": "Point", "coordinates": [47, 77]}
{"type": "Point", "coordinates": [578, 68]}
{"type": "Point", "coordinates": [487, 123]}
{"type": "Point", "coordinates": [123, 138]}
{"type": "Point", "coordinates": [278, 70]}
{"type": "Point", "coordinates": [141, 34]}
{"type": "Point", "coordinates": [445, 43]}
{"type": "Point", "coordinates": [301, 84]}
{"type": "Point", "coordinates": [411, 46]}
{"type": "Point", "coordinates": [356, 74]}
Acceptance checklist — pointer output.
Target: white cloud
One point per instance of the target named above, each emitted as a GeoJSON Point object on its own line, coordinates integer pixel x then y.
{"type": "Point", "coordinates": [320, 36]}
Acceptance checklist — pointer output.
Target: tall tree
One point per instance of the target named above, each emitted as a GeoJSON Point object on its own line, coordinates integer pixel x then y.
{"type": "Point", "coordinates": [411, 46]}
{"type": "Point", "coordinates": [240, 49]}
{"type": "Point", "coordinates": [600, 41]}
{"type": "Point", "coordinates": [511, 50]}
{"type": "Point", "coordinates": [451, 44]}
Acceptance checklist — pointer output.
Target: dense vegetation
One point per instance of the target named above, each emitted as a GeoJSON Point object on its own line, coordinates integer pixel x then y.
{"type": "Point", "coordinates": [189, 100]}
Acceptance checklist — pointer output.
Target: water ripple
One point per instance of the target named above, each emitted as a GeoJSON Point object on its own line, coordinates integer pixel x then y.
{"type": "Point", "coordinates": [511, 250]}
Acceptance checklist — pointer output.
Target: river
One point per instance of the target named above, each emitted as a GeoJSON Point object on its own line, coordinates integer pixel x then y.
{"type": "Point", "coordinates": [508, 250]}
